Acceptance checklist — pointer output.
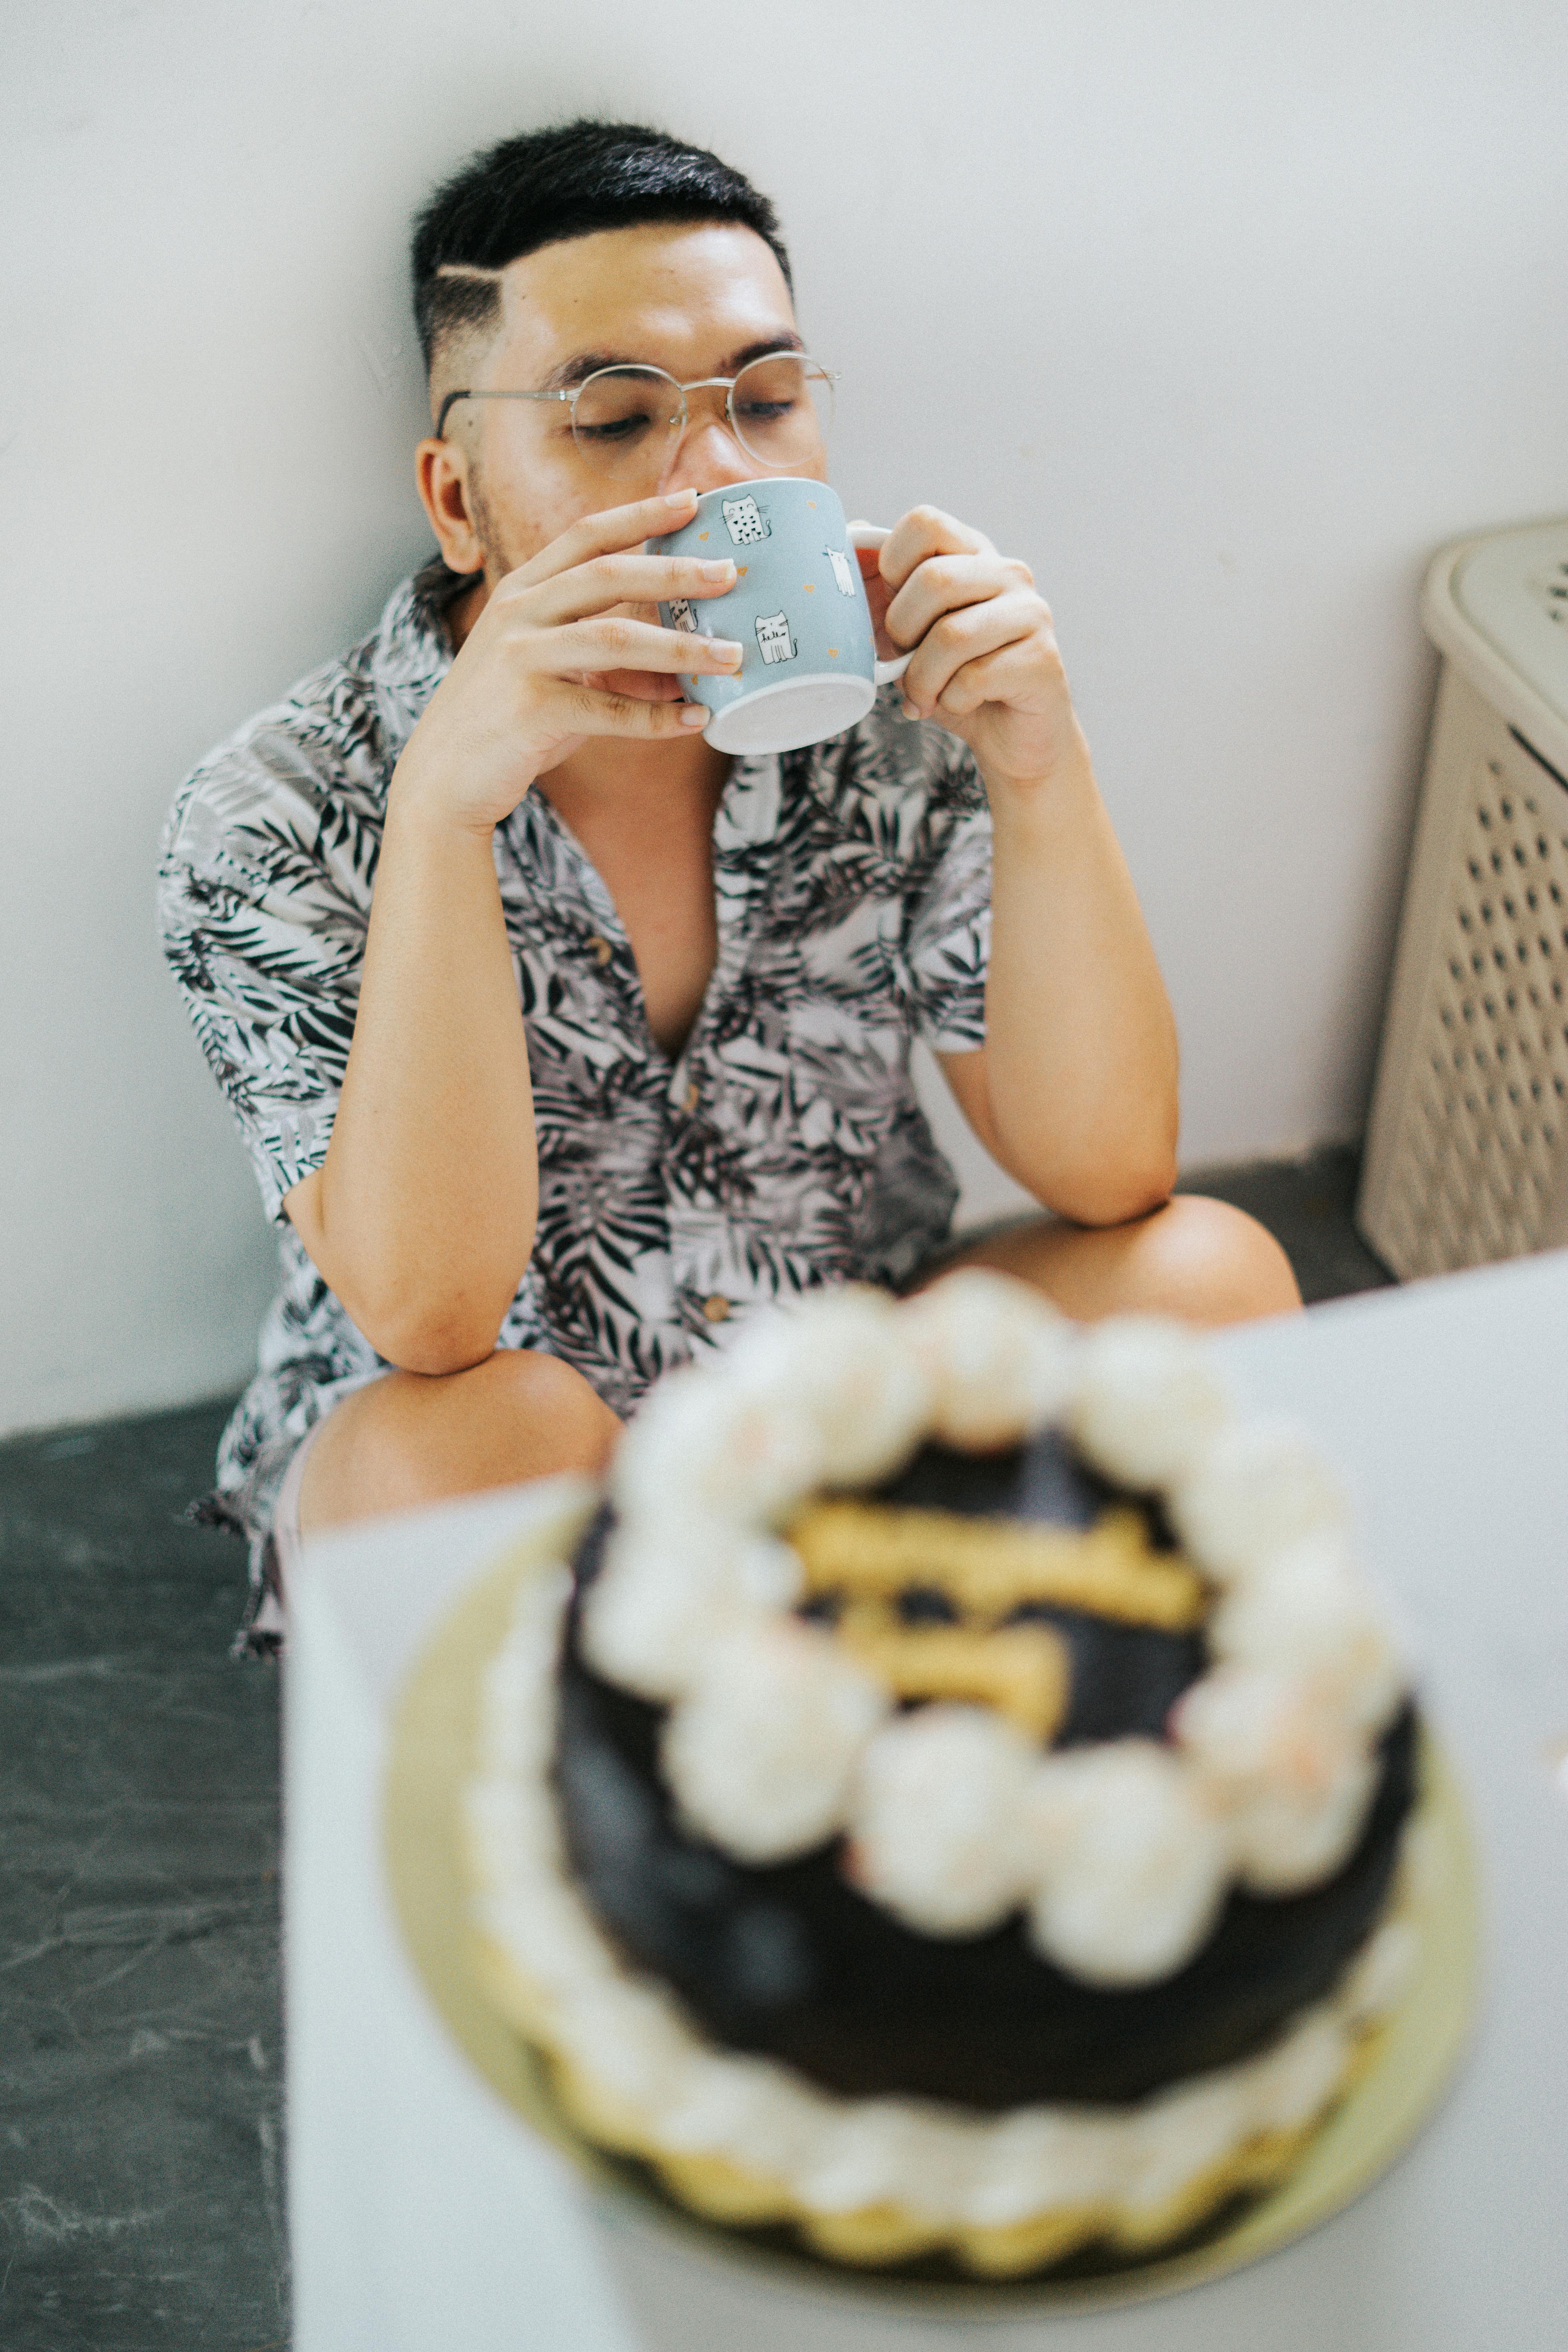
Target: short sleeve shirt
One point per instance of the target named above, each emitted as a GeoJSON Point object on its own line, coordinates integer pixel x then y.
{"type": "Point", "coordinates": [782, 1149]}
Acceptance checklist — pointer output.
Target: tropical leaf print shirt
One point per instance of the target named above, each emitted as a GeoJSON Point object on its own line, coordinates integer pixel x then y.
{"type": "Point", "coordinates": [782, 1149]}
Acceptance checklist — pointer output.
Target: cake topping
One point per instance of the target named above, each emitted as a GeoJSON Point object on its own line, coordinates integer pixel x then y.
{"type": "Point", "coordinates": [1136, 1863]}
{"type": "Point", "coordinates": [997, 1366]}
{"type": "Point", "coordinates": [663, 1599]}
{"type": "Point", "coordinates": [1288, 1772]}
{"type": "Point", "coordinates": [849, 1371]}
{"type": "Point", "coordinates": [729, 1450]}
{"type": "Point", "coordinates": [1259, 1485]}
{"type": "Point", "coordinates": [990, 1568]}
{"type": "Point", "coordinates": [1306, 1613]}
{"type": "Point", "coordinates": [1147, 1401]}
{"type": "Point", "coordinates": [937, 1820]}
{"type": "Point", "coordinates": [900, 1665]}
{"type": "Point", "coordinates": [762, 1752]}
{"type": "Point", "coordinates": [1022, 1671]}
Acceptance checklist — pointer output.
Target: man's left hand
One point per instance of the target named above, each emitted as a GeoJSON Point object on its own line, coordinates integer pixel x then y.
{"type": "Point", "coordinates": [986, 664]}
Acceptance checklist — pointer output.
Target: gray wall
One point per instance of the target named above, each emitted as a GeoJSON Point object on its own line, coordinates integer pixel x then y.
{"type": "Point", "coordinates": [1223, 315]}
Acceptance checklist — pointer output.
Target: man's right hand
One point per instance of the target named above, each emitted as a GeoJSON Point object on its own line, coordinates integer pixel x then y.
{"type": "Point", "coordinates": [531, 680]}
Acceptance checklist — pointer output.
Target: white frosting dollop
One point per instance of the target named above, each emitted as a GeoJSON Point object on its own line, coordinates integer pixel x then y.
{"type": "Point", "coordinates": [628, 2037]}
{"type": "Point", "coordinates": [1292, 1778]}
{"type": "Point", "coordinates": [660, 1599]}
{"type": "Point", "coordinates": [1258, 1485]}
{"type": "Point", "coordinates": [936, 1819]}
{"type": "Point", "coordinates": [1133, 1863]}
{"type": "Point", "coordinates": [1041, 2157]}
{"type": "Point", "coordinates": [762, 1751]}
{"type": "Point", "coordinates": [1309, 1614]}
{"type": "Point", "coordinates": [732, 2105]}
{"type": "Point", "coordinates": [725, 1450]}
{"type": "Point", "coordinates": [1147, 1401]}
{"type": "Point", "coordinates": [997, 1357]}
{"type": "Point", "coordinates": [844, 1363]}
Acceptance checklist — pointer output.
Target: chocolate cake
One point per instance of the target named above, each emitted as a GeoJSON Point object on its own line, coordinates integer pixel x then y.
{"type": "Point", "coordinates": [952, 1799]}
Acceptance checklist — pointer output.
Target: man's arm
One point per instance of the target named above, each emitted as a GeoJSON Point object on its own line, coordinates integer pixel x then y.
{"type": "Point", "coordinates": [422, 1215]}
{"type": "Point", "coordinates": [1074, 1092]}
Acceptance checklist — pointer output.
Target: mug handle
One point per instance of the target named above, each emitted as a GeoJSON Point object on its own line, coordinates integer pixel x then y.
{"type": "Point", "coordinates": [873, 534]}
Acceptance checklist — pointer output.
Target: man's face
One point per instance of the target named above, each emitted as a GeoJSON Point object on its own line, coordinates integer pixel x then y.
{"type": "Point", "coordinates": [695, 300]}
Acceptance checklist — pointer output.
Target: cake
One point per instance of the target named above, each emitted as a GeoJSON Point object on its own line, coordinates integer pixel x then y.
{"type": "Point", "coordinates": [949, 1799]}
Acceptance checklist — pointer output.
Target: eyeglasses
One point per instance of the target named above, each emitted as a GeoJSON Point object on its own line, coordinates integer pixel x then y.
{"type": "Point", "coordinates": [627, 421]}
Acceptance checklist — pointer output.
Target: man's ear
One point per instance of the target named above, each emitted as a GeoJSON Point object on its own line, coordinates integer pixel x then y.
{"type": "Point", "coordinates": [441, 477]}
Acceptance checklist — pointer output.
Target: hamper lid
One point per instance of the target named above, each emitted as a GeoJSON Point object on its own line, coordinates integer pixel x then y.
{"type": "Point", "coordinates": [1498, 606]}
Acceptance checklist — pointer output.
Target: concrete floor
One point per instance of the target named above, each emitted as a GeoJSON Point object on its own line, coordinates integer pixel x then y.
{"type": "Point", "coordinates": [140, 2033]}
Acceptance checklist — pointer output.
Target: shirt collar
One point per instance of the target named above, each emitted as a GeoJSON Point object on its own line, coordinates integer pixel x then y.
{"type": "Point", "coordinates": [412, 649]}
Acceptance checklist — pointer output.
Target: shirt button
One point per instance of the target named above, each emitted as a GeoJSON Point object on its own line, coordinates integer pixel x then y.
{"type": "Point", "coordinates": [602, 950]}
{"type": "Point", "coordinates": [716, 1309]}
{"type": "Point", "coordinates": [693, 1096]}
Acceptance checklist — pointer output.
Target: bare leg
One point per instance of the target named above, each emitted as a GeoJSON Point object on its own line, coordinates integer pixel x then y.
{"type": "Point", "coordinates": [409, 1439]}
{"type": "Point", "coordinates": [1195, 1258]}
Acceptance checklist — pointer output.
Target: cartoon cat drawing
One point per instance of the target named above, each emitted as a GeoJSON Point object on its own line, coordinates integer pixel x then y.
{"type": "Point", "coordinates": [774, 636]}
{"type": "Point", "coordinates": [681, 615]}
{"type": "Point", "coordinates": [843, 575]}
{"type": "Point", "coordinates": [746, 521]}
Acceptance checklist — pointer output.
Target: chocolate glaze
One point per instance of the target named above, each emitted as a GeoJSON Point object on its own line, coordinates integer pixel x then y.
{"type": "Point", "coordinates": [789, 1962]}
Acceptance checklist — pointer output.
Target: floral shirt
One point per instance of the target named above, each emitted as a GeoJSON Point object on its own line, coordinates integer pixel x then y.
{"type": "Point", "coordinates": [782, 1146]}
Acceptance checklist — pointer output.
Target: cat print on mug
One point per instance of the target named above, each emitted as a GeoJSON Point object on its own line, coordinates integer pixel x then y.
{"type": "Point", "coordinates": [745, 521]}
{"type": "Point", "coordinates": [774, 637]}
{"type": "Point", "coordinates": [843, 577]}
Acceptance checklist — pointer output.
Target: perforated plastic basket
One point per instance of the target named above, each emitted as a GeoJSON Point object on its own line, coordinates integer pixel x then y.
{"type": "Point", "coordinates": [1467, 1153]}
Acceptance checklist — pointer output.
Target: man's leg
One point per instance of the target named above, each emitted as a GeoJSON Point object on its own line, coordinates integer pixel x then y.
{"type": "Point", "coordinates": [408, 1440]}
{"type": "Point", "coordinates": [1195, 1258]}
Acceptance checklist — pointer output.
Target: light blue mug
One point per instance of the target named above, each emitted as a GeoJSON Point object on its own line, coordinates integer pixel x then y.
{"type": "Point", "coordinates": [798, 607]}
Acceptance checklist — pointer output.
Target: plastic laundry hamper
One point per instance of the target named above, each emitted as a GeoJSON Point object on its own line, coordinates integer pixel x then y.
{"type": "Point", "coordinates": [1467, 1153]}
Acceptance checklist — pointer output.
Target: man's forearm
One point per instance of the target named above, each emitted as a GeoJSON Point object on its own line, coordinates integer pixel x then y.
{"type": "Point", "coordinates": [422, 1216]}
{"type": "Point", "coordinates": [1080, 1052]}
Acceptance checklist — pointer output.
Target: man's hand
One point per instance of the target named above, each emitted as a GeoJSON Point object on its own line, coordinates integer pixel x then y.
{"type": "Point", "coordinates": [1074, 1091]}
{"type": "Point", "coordinates": [550, 658]}
{"type": "Point", "coordinates": [986, 664]}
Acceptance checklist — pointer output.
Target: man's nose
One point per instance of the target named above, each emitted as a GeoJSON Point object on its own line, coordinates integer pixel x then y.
{"type": "Point", "coordinates": [708, 456]}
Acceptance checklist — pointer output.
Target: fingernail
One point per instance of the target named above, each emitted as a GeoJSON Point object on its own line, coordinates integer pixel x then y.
{"type": "Point", "coordinates": [680, 498]}
{"type": "Point", "coordinates": [733, 654]}
{"type": "Point", "coordinates": [692, 714]}
{"type": "Point", "coordinates": [716, 571]}
{"type": "Point", "coordinates": [909, 708]}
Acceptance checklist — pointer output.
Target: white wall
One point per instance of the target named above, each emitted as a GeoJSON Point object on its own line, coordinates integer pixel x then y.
{"type": "Point", "coordinates": [1223, 315]}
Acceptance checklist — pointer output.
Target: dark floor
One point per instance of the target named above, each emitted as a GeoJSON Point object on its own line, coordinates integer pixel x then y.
{"type": "Point", "coordinates": [139, 2034]}
{"type": "Point", "coordinates": [140, 2125]}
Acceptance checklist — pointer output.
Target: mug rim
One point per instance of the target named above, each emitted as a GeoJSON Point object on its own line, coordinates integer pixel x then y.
{"type": "Point", "coordinates": [759, 482]}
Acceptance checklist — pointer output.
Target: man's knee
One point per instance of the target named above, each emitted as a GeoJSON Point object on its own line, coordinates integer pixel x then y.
{"type": "Point", "coordinates": [1195, 1258]}
{"type": "Point", "coordinates": [1212, 1263]}
{"type": "Point", "coordinates": [411, 1438]}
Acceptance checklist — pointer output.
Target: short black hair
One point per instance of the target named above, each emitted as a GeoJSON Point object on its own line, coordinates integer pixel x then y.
{"type": "Point", "coordinates": [546, 185]}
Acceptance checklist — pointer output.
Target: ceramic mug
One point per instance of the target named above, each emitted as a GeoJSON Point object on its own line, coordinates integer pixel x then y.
{"type": "Point", "coordinates": [798, 607]}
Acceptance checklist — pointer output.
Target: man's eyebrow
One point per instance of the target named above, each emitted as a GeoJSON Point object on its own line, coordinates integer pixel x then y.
{"type": "Point", "coordinates": [787, 341]}
{"type": "Point", "coordinates": [583, 365]}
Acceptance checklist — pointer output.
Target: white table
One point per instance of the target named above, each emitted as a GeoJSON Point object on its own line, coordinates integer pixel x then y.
{"type": "Point", "coordinates": [423, 2216]}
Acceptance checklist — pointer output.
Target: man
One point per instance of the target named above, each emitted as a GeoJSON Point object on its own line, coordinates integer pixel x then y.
{"type": "Point", "coordinates": [616, 1047]}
